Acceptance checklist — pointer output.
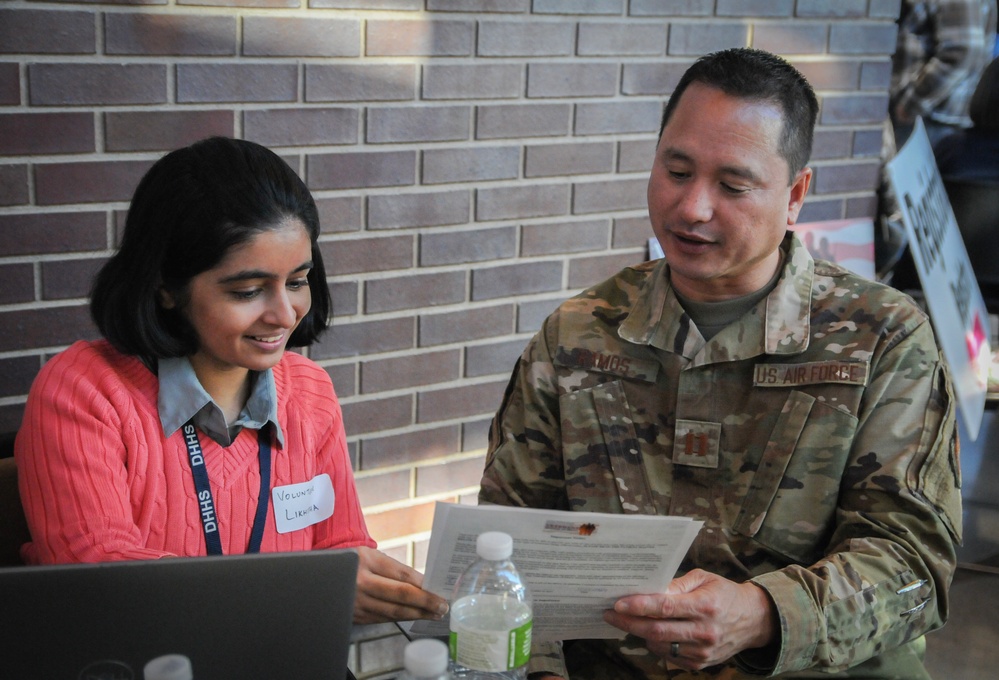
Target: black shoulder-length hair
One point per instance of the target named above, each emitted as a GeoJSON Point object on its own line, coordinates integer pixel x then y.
{"type": "Point", "coordinates": [191, 208]}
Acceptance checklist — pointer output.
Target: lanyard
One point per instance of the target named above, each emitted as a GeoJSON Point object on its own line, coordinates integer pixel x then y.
{"type": "Point", "coordinates": [206, 502]}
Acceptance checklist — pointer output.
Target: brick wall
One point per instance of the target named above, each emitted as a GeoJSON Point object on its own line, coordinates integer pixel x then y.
{"type": "Point", "coordinates": [475, 161]}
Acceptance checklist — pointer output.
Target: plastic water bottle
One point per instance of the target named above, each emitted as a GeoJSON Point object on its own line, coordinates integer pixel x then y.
{"type": "Point", "coordinates": [490, 615]}
{"type": "Point", "coordinates": [425, 659]}
{"type": "Point", "coordinates": [168, 667]}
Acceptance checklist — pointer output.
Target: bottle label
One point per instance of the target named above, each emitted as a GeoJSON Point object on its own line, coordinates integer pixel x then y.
{"type": "Point", "coordinates": [482, 649]}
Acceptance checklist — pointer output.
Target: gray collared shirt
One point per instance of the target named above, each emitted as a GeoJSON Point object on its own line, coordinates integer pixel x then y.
{"type": "Point", "coordinates": [182, 398]}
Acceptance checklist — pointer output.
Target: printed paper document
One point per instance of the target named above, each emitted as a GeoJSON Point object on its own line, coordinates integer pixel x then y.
{"type": "Point", "coordinates": [575, 564]}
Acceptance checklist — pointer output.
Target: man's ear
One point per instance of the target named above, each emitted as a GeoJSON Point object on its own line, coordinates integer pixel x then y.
{"type": "Point", "coordinates": [799, 189]}
{"type": "Point", "coordinates": [166, 300]}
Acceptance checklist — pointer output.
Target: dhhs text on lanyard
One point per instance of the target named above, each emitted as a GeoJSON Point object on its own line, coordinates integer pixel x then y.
{"type": "Point", "coordinates": [203, 487]}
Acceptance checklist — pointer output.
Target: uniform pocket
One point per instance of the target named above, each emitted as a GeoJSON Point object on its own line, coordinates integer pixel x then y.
{"type": "Point", "coordinates": [791, 502]}
{"type": "Point", "coordinates": [600, 447]}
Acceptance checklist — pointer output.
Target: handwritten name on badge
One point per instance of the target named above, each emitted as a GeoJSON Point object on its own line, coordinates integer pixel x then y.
{"type": "Point", "coordinates": [297, 506]}
{"type": "Point", "coordinates": [811, 373]}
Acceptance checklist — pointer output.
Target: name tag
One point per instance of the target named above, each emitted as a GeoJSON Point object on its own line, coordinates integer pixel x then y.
{"type": "Point", "coordinates": [811, 373]}
{"type": "Point", "coordinates": [602, 362]}
{"type": "Point", "coordinates": [297, 506]}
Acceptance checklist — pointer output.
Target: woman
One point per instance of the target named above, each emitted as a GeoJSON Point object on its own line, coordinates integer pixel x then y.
{"type": "Point", "coordinates": [189, 430]}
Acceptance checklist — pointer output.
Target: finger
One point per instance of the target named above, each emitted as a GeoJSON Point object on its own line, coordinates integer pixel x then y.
{"type": "Point", "coordinates": [643, 627]}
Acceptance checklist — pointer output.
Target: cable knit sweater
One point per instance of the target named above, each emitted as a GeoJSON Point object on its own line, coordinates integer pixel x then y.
{"type": "Point", "coordinates": [99, 480]}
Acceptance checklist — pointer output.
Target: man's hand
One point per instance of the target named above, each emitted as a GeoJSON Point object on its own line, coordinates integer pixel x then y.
{"type": "Point", "coordinates": [388, 590]}
{"type": "Point", "coordinates": [703, 617]}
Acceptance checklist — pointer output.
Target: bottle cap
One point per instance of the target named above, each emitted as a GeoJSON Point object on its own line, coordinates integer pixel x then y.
{"type": "Point", "coordinates": [425, 658]}
{"type": "Point", "coordinates": [494, 545]}
{"type": "Point", "coordinates": [168, 667]}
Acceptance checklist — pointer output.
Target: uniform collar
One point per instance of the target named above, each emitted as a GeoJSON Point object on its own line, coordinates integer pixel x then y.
{"type": "Point", "coordinates": [658, 319]}
{"type": "Point", "coordinates": [181, 398]}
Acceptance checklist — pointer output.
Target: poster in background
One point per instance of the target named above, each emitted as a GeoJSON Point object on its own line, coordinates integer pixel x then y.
{"type": "Point", "coordinates": [953, 297]}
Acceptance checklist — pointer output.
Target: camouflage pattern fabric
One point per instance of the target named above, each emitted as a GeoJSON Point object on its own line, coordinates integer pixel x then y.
{"type": "Point", "coordinates": [815, 437]}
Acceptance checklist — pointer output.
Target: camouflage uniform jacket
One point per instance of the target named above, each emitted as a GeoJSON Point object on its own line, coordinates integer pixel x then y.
{"type": "Point", "coordinates": [815, 437]}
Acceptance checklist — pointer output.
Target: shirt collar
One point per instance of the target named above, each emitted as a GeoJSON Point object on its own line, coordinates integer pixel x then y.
{"type": "Point", "coordinates": [658, 318]}
{"type": "Point", "coordinates": [182, 398]}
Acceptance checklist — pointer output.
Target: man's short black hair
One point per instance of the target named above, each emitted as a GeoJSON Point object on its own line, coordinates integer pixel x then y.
{"type": "Point", "coordinates": [759, 76]}
{"type": "Point", "coordinates": [191, 208]}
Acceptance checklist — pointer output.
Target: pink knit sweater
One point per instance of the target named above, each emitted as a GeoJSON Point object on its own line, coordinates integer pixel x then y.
{"type": "Point", "coordinates": [99, 481]}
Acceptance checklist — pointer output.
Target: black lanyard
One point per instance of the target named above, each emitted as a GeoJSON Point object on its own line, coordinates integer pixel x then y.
{"type": "Point", "coordinates": [203, 487]}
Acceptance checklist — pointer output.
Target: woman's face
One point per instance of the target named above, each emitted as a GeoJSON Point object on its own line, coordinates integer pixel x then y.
{"type": "Point", "coordinates": [246, 307]}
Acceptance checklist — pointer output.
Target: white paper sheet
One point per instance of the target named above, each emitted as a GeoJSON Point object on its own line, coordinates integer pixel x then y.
{"type": "Point", "coordinates": [575, 564]}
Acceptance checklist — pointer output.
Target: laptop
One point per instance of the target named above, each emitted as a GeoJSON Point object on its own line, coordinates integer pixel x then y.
{"type": "Point", "coordinates": [269, 616]}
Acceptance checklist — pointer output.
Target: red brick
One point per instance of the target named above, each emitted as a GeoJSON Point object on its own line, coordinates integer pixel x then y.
{"type": "Point", "coordinates": [503, 121]}
{"type": "Point", "coordinates": [564, 237]}
{"type": "Point", "coordinates": [46, 32]}
{"type": "Point", "coordinates": [472, 81]}
{"type": "Point", "coordinates": [587, 271]}
{"type": "Point", "coordinates": [755, 8]}
{"type": "Point", "coordinates": [790, 39]}
{"type": "Point", "coordinates": [577, 7]}
{"type": "Point", "coordinates": [578, 79]}
{"type": "Point", "coordinates": [373, 415]}
{"type": "Point", "coordinates": [301, 37]}
{"type": "Point", "coordinates": [860, 37]}
{"type": "Point", "coordinates": [96, 84]}
{"type": "Point", "coordinates": [861, 206]}
{"type": "Point", "coordinates": [411, 447]}
{"type": "Point", "coordinates": [163, 130]}
{"type": "Point", "coordinates": [830, 74]}
{"type": "Point", "coordinates": [404, 38]}
{"type": "Point", "coordinates": [62, 279]}
{"type": "Point", "coordinates": [493, 358]}
{"type": "Point", "coordinates": [817, 210]}
{"type": "Point", "coordinates": [301, 127]}
{"type": "Point", "coordinates": [62, 232]}
{"type": "Point", "coordinates": [577, 158]}
{"type": "Point", "coordinates": [364, 255]}
{"type": "Point", "coordinates": [475, 164]}
{"type": "Point", "coordinates": [347, 339]}
{"type": "Point", "coordinates": [530, 314]}
{"type": "Point", "coordinates": [46, 133]}
{"type": "Point", "coordinates": [383, 488]}
{"type": "Point", "coordinates": [610, 195]}
{"type": "Point", "coordinates": [526, 38]}
{"type": "Point", "coordinates": [604, 118]}
{"type": "Point", "coordinates": [411, 5]}
{"type": "Point", "coordinates": [88, 182]}
{"type": "Point", "coordinates": [419, 210]}
{"type": "Point", "coordinates": [10, 84]}
{"type": "Point", "coordinates": [469, 324]}
{"type": "Point", "coordinates": [459, 402]}
{"type": "Point", "coordinates": [343, 377]}
{"type": "Point", "coordinates": [46, 327]}
{"type": "Point", "coordinates": [467, 246]}
{"type": "Point", "coordinates": [631, 39]}
{"type": "Point", "coordinates": [518, 6]}
{"type": "Point", "coordinates": [359, 83]}
{"type": "Point", "coordinates": [854, 109]}
{"type": "Point", "coordinates": [697, 38]}
{"type": "Point", "coordinates": [14, 184]}
{"type": "Point", "coordinates": [657, 78]}
{"type": "Point", "coordinates": [237, 83]}
{"type": "Point", "coordinates": [839, 177]}
{"type": "Point", "coordinates": [344, 294]}
{"type": "Point", "coordinates": [10, 418]}
{"type": "Point", "coordinates": [169, 34]}
{"type": "Point", "coordinates": [524, 278]}
{"type": "Point", "coordinates": [414, 291]}
{"type": "Point", "coordinates": [636, 155]}
{"type": "Point", "coordinates": [383, 526]}
{"type": "Point", "coordinates": [517, 202]}
{"type": "Point", "coordinates": [411, 370]}
{"type": "Point", "coordinates": [273, 4]}
{"type": "Point", "coordinates": [631, 232]}
{"type": "Point", "coordinates": [17, 374]}
{"type": "Point", "coordinates": [419, 124]}
{"type": "Point", "coordinates": [340, 213]}
{"type": "Point", "coordinates": [17, 283]}
{"type": "Point", "coordinates": [361, 169]}
{"type": "Point", "coordinates": [449, 476]}
{"type": "Point", "coordinates": [474, 436]}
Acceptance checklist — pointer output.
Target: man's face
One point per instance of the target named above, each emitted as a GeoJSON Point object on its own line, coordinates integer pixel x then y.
{"type": "Point", "coordinates": [719, 198]}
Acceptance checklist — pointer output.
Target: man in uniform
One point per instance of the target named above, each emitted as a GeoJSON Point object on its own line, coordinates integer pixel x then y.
{"type": "Point", "coordinates": [802, 412]}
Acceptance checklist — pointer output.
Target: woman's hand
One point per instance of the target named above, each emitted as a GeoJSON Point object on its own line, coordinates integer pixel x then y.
{"type": "Point", "coordinates": [388, 590]}
{"type": "Point", "coordinates": [702, 619]}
